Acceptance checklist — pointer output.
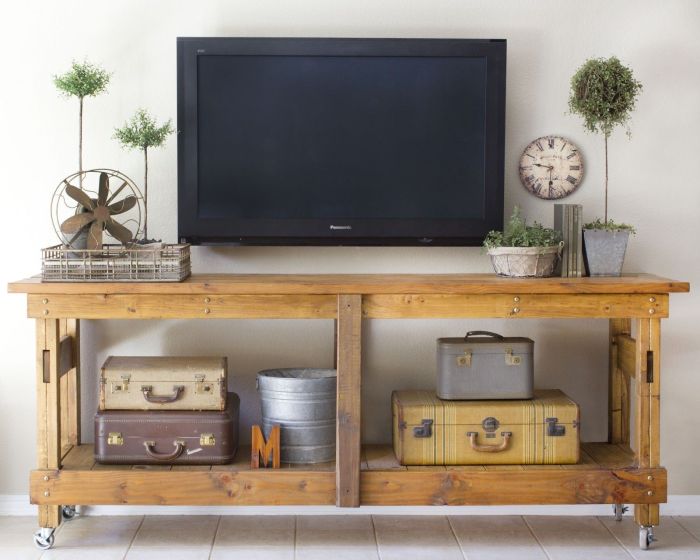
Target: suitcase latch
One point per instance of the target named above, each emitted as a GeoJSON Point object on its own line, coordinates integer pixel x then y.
{"type": "Point", "coordinates": [465, 360]}
{"type": "Point", "coordinates": [206, 440]}
{"type": "Point", "coordinates": [424, 430]}
{"type": "Point", "coordinates": [554, 429]}
{"type": "Point", "coordinates": [512, 360]}
{"type": "Point", "coordinates": [122, 387]}
{"type": "Point", "coordinates": [200, 387]}
{"type": "Point", "coordinates": [490, 424]}
{"type": "Point", "coordinates": [115, 438]}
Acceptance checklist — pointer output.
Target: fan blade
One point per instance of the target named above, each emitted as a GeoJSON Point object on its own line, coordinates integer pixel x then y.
{"type": "Point", "coordinates": [115, 193]}
{"type": "Point", "coordinates": [77, 222]}
{"type": "Point", "coordinates": [123, 205]}
{"type": "Point", "coordinates": [118, 231]}
{"type": "Point", "coordinates": [79, 196]}
{"type": "Point", "coordinates": [94, 240]}
{"type": "Point", "coordinates": [103, 191]}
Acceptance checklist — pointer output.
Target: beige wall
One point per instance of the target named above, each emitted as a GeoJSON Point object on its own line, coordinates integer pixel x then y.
{"type": "Point", "coordinates": [653, 180]}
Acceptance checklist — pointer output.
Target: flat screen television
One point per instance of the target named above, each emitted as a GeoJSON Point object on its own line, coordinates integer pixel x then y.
{"type": "Point", "coordinates": [340, 141]}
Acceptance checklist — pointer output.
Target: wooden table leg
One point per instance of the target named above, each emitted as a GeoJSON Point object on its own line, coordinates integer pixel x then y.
{"type": "Point", "coordinates": [73, 384]}
{"type": "Point", "coordinates": [348, 404]}
{"type": "Point", "coordinates": [647, 375]}
{"type": "Point", "coordinates": [619, 387]}
{"type": "Point", "coordinates": [48, 408]}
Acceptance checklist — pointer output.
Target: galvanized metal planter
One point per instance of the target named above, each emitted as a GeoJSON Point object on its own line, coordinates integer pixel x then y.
{"type": "Point", "coordinates": [523, 262]}
{"type": "Point", "coordinates": [605, 251]}
{"type": "Point", "coordinates": [303, 403]}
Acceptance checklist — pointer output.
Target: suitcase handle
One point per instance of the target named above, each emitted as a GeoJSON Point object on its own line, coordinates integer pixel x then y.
{"type": "Point", "coordinates": [147, 391]}
{"type": "Point", "coordinates": [484, 333]}
{"type": "Point", "coordinates": [489, 448]}
{"type": "Point", "coordinates": [150, 449]}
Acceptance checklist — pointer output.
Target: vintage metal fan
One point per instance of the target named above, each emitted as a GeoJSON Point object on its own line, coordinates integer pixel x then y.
{"type": "Point", "coordinates": [97, 210]}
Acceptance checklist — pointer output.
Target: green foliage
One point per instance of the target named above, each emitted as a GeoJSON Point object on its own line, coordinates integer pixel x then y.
{"type": "Point", "coordinates": [609, 225]}
{"type": "Point", "coordinates": [604, 93]}
{"type": "Point", "coordinates": [143, 132]}
{"type": "Point", "coordinates": [518, 234]}
{"type": "Point", "coordinates": [83, 80]}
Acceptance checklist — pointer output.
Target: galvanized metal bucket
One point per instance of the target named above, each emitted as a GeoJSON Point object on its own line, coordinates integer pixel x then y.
{"type": "Point", "coordinates": [302, 402]}
{"type": "Point", "coordinates": [605, 251]}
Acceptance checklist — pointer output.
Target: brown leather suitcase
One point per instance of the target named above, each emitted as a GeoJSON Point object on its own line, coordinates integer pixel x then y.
{"type": "Point", "coordinates": [167, 437]}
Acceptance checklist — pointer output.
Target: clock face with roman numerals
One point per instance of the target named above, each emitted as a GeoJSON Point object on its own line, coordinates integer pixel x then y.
{"type": "Point", "coordinates": [551, 167]}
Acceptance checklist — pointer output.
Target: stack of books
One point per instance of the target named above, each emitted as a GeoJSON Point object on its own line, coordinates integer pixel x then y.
{"type": "Point", "coordinates": [568, 220]}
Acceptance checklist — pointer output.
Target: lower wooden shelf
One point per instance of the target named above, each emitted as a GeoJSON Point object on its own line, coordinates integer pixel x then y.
{"type": "Point", "coordinates": [606, 474]}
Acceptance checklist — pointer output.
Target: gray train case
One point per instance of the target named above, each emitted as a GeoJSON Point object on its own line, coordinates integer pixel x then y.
{"type": "Point", "coordinates": [485, 365]}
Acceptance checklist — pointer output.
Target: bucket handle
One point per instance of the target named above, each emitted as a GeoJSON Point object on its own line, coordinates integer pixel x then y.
{"type": "Point", "coordinates": [484, 333]}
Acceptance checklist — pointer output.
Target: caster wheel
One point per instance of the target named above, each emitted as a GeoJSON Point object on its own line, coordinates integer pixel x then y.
{"type": "Point", "coordinates": [44, 539]}
{"type": "Point", "coordinates": [646, 537]}
{"type": "Point", "coordinates": [619, 510]}
{"type": "Point", "coordinates": [69, 512]}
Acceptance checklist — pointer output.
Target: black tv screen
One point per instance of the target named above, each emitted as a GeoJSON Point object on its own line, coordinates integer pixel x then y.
{"type": "Point", "coordinates": [340, 141]}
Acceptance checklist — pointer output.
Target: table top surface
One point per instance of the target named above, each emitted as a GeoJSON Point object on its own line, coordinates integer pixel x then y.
{"type": "Point", "coordinates": [363, 284]}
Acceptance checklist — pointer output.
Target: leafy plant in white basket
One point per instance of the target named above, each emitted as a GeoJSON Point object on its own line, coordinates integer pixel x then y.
{"type": "Point", "coordinates": [604, 93]}
{"type": "Point", "coordinates": [521, 250]}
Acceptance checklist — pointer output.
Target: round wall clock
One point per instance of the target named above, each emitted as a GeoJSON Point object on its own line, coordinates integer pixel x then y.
{"type": "Point", "coordinates": [551, 167]}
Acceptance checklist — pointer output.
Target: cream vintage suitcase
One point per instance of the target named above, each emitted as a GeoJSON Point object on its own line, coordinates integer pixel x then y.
{"type": "Point", "coordinates": [163, 383]}
{"type": "Point", "coordinates": [430, 431]}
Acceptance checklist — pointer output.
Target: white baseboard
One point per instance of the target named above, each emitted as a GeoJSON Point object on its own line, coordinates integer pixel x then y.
{"type": "Point", "coordinates": [18, 504]}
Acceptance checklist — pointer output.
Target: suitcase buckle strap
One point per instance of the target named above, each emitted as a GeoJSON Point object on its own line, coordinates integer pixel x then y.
{"type": "Point", "coordinates": [489, 448]}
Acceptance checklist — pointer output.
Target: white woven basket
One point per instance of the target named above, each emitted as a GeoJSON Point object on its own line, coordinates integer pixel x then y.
{"type": "Point", "coordinates": [524, 262]}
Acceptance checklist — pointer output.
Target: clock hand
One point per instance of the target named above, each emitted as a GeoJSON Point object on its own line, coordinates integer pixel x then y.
{"type": "Point", "coordinates": [550, 167]}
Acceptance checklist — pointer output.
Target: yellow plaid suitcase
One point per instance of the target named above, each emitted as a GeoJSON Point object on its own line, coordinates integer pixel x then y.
{"type": "Point", "coordinates": [430, 431]}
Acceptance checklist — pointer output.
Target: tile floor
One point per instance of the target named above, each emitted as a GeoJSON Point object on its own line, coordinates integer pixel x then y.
{"type": "Point", "coordinates": [349, 537]}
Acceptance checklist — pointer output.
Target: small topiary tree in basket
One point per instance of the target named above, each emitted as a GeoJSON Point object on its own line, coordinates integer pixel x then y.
{"type": "Point", "coordinates": [81, 81]}
{"type": "Point", "coordinates": [142, 132]}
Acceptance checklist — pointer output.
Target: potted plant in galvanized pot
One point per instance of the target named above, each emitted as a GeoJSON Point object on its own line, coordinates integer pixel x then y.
{"type": "Point", "coordinates": [604, 93]}
{"type": "Point", "coordinates": [521, 250]}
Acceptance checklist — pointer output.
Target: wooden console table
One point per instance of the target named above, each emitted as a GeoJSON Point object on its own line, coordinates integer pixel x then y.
{"type": "Point", "coordinates": [609, 472]}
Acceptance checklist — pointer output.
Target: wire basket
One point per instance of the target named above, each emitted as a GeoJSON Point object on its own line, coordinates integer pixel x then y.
{"type": "Point", "coordinates": [525, 262]}
{"type": "Point", "coordinates": [116, 263]}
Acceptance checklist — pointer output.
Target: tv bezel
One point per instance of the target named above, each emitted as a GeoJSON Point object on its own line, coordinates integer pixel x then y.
{"type": "Point", "coordinates": [406, 232]}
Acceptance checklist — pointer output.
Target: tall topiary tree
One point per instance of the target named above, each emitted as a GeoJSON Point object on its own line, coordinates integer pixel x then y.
{"type": "Point", "coordinates": [81, 81]}
{"type": "Point", "coordinates": [142, 132]}
{"type": "Point", "coordinates": [604, 92]}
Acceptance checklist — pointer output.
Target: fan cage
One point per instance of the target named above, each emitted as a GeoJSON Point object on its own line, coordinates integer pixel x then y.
{"type": "Point", "coordinates": [116, 263]}
{"type": "Point", "coordinates": [63, 206]}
